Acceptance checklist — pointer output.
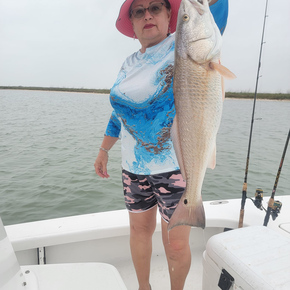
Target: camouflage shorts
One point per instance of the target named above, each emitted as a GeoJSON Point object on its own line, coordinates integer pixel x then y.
{"type": "Point", "coordinates": [143, 192]}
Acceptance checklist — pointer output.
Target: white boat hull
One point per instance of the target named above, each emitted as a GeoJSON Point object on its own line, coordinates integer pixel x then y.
{"type": "Point", "coordinates": [104, 237]}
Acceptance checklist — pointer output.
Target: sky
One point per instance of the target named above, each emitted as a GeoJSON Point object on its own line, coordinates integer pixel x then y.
{"type": "Point", "coordinates": [74, 44]}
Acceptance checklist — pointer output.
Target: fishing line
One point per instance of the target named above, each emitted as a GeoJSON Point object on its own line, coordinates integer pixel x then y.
{"type": "Point", "coordinates": [272, 207]}
{"type": "Point", "coordinates": [245, 185]}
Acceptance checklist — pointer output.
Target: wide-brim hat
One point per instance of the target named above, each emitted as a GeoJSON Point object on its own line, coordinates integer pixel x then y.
{"type": "Point", "coordinates": [124, 24]}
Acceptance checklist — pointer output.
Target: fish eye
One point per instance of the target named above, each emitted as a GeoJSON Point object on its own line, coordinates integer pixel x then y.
{"type": "Point", "coordinates": [185, 17]}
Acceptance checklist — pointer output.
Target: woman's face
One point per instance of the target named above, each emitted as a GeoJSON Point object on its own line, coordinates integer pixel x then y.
{"type": "Point", "coordinates": [151, 28]}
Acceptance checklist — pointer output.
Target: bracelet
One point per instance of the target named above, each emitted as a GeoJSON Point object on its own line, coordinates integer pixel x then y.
{"type": "Point", "coordinates": [107, 151]}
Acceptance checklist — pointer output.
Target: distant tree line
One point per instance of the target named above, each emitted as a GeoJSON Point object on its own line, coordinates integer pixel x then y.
{"type": "Point", "coordinates": [240, 95]}
{"type": "Point", "coordinates": [78, 90]}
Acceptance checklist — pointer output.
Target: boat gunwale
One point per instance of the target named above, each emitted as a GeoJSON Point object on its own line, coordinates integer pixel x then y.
{"type": "Point", "coordinates": [25, 236]}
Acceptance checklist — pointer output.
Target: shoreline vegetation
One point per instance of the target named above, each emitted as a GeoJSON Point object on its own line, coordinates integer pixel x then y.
{"type": "Point", "coordinates": [233, 95]}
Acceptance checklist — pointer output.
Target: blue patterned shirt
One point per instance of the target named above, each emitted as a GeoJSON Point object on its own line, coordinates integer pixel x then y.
{"type": "Point", "coordinates": [143, 102]}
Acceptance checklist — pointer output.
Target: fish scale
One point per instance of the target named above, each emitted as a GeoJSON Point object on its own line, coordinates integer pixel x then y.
{"type": "Point", "coordinates": [198, 96]}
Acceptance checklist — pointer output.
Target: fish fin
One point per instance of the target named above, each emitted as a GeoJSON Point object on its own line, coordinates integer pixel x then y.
{"type": "Point", "coordinates": [187, 215]}
{"type": "Point", "coordinates": [176, 144]}
{"type": "Point", "coordinates": [225, 72]}
{"type": "Point", "coordinates": [212, 161]}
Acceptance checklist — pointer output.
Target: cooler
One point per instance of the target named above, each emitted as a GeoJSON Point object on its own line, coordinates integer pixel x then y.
{"type": "Point", "coordinates": [251, 258]}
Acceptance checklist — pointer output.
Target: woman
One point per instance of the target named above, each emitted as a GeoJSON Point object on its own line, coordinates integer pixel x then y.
{"type": "Point", "coordinates": [142, 98]}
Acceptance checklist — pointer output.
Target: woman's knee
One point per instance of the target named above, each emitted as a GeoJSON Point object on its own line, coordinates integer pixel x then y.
{"type": "Point", "coordinates": [142, 229]}
{"type": "Point", "coordinates": [143, 224]}
{"type": "Point", "coordinates": [177, 247]}
{"type": "Point", "coordinates": [176, 242]}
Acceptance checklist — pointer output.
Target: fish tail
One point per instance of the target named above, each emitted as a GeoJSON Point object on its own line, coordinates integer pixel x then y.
{"type": "Point", "coordinates": [187, 215]}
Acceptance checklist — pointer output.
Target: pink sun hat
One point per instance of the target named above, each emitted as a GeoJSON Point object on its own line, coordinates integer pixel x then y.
{"type": "Point", "coordinates": [124, 24]}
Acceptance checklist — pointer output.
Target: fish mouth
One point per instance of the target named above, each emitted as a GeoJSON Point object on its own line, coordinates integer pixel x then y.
{"type": "Point", "coordinates": [200, 1]}
{"type": "Point", "coordinates": [200, 5]}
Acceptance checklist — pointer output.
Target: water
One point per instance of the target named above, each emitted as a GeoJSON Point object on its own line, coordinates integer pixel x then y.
{"type": "Point", "coordinates": [49, 142]}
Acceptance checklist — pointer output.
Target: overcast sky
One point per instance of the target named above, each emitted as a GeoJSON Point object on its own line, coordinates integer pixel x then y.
{"type": "Point", "coordinates": [74, 43]}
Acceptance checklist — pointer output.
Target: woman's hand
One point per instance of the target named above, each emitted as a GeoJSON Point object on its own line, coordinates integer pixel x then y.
{"type": "Point", "coordinates": [101, 164]}
{"type": "Point", "coordinates": [103, 156]}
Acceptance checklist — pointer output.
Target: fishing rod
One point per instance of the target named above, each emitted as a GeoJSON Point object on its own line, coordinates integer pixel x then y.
{"type": "Point", "coordinates": [245, 185]}
{"type": "Point", "coordinates": [274, 206]}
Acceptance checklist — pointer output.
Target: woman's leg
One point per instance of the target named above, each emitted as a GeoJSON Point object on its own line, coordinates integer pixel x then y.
{"type": "Point", "coordinates": [142, 227]}
{"type": "Point", "coordinates": [176, 244]}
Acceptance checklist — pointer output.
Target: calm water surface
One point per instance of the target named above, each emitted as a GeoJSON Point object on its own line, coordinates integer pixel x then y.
{"type": "Point", "coordinates": [49, 141]}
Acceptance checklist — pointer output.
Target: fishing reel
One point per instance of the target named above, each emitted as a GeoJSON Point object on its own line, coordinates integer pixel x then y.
{"type": "Point", "coordinates": [276, 209]}
{"type": "Point", "coordinates": [259, 198]}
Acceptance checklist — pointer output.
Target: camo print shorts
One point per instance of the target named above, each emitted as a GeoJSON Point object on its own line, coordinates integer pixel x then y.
{"type": "Point", "coordinates": [143, 192]}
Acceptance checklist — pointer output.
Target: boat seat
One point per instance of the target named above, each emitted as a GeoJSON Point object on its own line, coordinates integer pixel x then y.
{"type": "Point", "coordinates": [72, 276]}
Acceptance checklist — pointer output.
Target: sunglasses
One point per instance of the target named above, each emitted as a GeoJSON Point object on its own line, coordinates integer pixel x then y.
{"type": "Point", "coordinates": [153, 9]}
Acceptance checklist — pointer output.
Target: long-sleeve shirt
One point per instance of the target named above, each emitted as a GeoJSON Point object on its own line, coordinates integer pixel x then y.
{"type": "Point", "coordinates": [143, 102]}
